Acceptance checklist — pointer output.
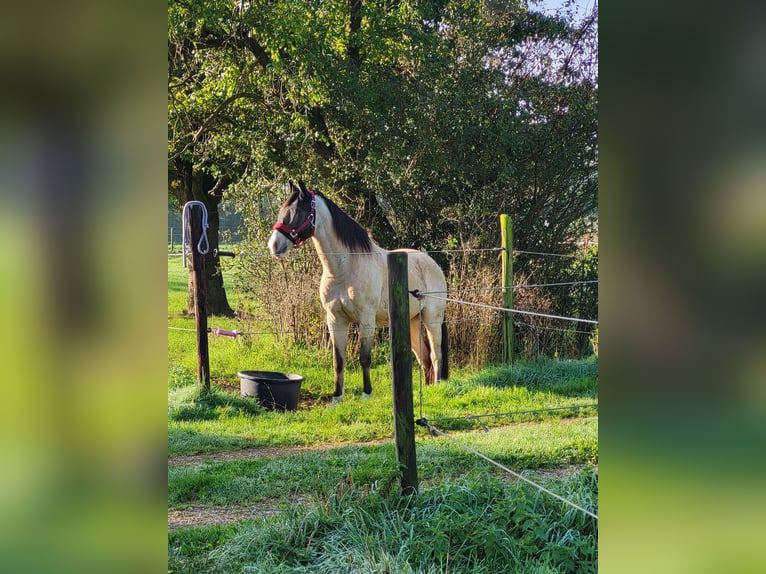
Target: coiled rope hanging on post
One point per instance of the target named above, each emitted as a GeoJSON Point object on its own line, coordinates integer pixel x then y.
{"type": "Point", "coordinates": [203, 237]}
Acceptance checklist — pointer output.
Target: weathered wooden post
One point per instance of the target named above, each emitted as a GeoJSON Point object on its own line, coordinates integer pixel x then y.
{"type": "Point", "coordinates": [195, 232]}
{"type": "Point", "coordinates": [401, 367]}
{"type": "Point", "coordinates": [506, 234]}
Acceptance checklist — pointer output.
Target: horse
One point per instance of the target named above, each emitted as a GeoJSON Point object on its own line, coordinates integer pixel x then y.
{"type": "Point", "coordinates": [354, 284]}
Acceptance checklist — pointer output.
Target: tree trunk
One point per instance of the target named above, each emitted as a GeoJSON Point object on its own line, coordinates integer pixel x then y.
{"type": "Point", "coordinates": [197, 186]}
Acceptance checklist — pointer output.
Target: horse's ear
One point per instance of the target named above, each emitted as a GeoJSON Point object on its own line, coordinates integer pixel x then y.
{"type": "Point", "coordinates": [304, 190]}
{"type": "Point", "coordinates": [293, 187]}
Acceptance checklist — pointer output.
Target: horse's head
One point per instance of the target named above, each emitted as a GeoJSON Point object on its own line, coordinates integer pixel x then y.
{"type": "Point", "coordinates": [296, 221]}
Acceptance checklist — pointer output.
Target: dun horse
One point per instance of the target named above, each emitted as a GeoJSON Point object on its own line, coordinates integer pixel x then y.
{"type": "Point", "coordinates": [354, 285]}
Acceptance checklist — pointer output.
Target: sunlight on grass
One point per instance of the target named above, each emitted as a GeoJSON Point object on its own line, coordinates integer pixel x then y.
{"type": "Point", "coordinates": [534, 446]}
{"type": "Point", "coordinates": [352, 421]}
{"type": "Point", "coordinates": [354, 480]}
{"type": "Point", "coordinates": [224, 420]}
{"type": "Point", "coordinates": [473, 525]}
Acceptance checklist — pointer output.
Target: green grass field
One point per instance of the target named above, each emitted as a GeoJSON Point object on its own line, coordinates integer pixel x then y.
{"type": "Point", "coordinates": [353, 482]}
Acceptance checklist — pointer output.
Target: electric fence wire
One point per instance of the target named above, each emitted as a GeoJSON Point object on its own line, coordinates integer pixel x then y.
{"type": "Point", "coordinates": [504, 309]}
{"type": "Point", "coordinates": [424, 423]}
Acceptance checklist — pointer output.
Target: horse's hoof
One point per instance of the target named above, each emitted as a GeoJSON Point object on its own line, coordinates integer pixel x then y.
{"type": "Point", "coordinates": [366, 396]}
{"type": "Point", "coordinates": [336, 401]}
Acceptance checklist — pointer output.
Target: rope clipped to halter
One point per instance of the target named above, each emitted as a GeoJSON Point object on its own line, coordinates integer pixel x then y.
{"type": "Point", "coordinates": [298, 236]}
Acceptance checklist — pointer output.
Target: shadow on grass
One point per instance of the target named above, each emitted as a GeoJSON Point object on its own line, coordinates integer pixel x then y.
{"type": "Point", "coordinates": [567, 378]}
{"type": "Point", "coordinates": [212, 404]}
{"type": "Point", "coordinates": [187, 441]}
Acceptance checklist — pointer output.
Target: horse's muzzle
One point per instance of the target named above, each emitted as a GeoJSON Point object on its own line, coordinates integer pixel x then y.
{"type": "Point", "coordinates": [278, 245]}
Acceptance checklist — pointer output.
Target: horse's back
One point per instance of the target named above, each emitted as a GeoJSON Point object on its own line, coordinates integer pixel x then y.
{"type": "Point", "coordinates": [424, 273]}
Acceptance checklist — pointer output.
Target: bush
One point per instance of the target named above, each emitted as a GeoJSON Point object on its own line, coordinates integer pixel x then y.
{"type": "Point", "coordinates": [282, 296]}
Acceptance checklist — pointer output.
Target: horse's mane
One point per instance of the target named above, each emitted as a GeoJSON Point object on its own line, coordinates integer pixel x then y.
{"type": "Point", "coordinates": [350, 233]}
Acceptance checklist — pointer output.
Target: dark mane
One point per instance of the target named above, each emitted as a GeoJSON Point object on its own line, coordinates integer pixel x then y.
{"type": "Point", "coordinates": [350, 233]}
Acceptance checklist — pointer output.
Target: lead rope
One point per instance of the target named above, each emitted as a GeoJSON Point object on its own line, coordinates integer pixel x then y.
{"type": "Point", "coordinates": [203, 237]}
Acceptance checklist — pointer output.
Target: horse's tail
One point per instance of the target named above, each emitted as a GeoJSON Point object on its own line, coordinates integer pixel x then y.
{"type": "Point", "coordinates": [426, 363]}
{"type": "Point", "coordinates": [445, 361]}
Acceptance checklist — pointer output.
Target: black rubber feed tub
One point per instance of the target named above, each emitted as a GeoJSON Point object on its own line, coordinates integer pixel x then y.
{"type": "Point", "coordinates": [275, 391]}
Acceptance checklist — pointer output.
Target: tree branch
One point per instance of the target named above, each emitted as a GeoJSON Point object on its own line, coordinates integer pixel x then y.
{"type": "Point", "coordinates": [355, 25]}
{"type": "Point", "coordinates": [220, 186]}
{"type": "Point", "coordinates": [206, 123]}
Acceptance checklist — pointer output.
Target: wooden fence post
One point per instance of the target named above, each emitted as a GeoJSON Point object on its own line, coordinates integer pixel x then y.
{"type": "Point", "coordinates": [506, 233]}
{"type": "Point", "coordinates": [200, 309]}
{"type": "Point", "coordinates": [401, 367]}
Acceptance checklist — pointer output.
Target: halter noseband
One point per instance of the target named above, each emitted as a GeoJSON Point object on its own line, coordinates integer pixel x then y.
{"type": "Point", "coordinates": [298, 236]}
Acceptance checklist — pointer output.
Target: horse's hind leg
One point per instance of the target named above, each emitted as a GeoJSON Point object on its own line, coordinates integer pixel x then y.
{"type": "Point", "coordinates": [367, 333]}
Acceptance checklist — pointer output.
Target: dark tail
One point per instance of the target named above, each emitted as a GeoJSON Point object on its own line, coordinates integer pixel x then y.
{"type": "Point", "coordinates": [445, 361]}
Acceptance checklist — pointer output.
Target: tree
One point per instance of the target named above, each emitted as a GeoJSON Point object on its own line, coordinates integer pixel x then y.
{"type": "Point", "coordinates": [192, 113]}
{"type": "Point", "coordinates": [186, 184]}
{"type": "Point", "coordinates": [424, 119]}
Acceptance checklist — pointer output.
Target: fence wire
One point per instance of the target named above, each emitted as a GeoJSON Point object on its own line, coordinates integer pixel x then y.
{"type": "Point", "coordinates": [437, 432]}
{"type": "Point", "coordinates": [505, 309]}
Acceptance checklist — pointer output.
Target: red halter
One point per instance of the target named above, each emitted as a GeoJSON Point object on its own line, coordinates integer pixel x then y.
{"type": "Point", "coordinates": [298, 235]}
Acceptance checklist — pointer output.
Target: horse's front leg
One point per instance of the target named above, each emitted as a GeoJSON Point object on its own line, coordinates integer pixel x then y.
{"type": "Point", "coordinates": [339, 338]}
{"type": "Point", "coordinates": [367, 332]}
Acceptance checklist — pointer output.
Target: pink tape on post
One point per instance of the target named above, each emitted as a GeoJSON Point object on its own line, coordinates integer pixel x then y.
{"type": "Point", "coordinates": [232, 334]}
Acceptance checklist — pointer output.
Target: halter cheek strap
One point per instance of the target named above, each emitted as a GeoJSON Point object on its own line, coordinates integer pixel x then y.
{"type": "Point", "coordinates": [298, 236]}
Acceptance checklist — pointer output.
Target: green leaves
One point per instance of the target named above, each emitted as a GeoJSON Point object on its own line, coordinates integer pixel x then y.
{"type": "Point", "coordinates": [404, 113]}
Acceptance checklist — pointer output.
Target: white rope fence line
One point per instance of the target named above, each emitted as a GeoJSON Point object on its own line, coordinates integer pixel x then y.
{"type": "Point", "coordinates": [305, 254]}
{"type": "Point", "coordinates": [475, 318]}
{"type": "Point", "coordinates": [520, 286]}
{"type": "Point", "coordinates": [518, 323]}
{"type": "Point", "coordinates": [467, 250]}
{"type": "Point", "coordinates": [436, 431]}
{"type": "Point", "coordinates": [504, 309]}
{"type": "Point", "coordinates": [309, 252]}
{"type": "Point", "coordinates": [530, 285]}
{"type": "Point", "coordinates": [554, 254]}
{"type": "Point", "coordinates": [353, 330]}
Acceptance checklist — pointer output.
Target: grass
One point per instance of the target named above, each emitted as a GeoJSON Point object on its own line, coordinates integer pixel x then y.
{"type": "Point", "coordinates": [243, 425]}
{"type": "Point", "coordinates": [229, 422]}
{"type": "Point", "coordinates": [464, 520]}
{"type": "Point", "coordinates": [532, 446]}
{"type": "Point", "coordinates": [477, 525]}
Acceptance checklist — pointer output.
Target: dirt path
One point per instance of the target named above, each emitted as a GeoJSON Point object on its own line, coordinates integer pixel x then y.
{"type": "Point", "coordinates": [211, 515]}
{"type": "Point", "coordinates": [207, 515]}
{"type": "Point", "coordinates": [272, 452]}
{"type": "Point", "coordinates": [264, 452]}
